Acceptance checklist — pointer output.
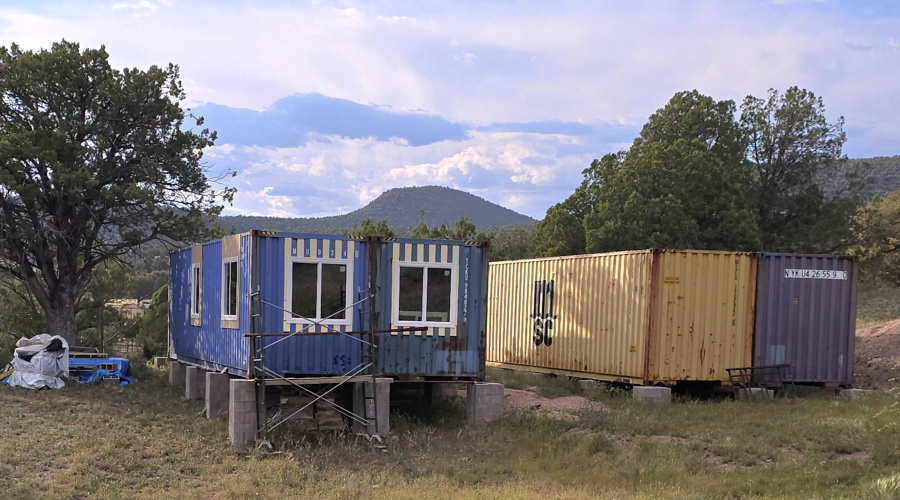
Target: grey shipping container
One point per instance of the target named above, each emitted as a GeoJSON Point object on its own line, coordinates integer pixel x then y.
{"type": "Point", "coordinates": [806, 316]}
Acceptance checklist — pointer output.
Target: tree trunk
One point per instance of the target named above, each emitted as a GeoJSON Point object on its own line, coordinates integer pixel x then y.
{"type": "Point", "coordinates": [61, 317]}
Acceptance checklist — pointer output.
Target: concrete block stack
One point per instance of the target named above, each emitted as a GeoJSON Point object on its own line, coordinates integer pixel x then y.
{"type": "Point", "coordinates": [364, 406]}
{"type": "Point", "coordinates": [194, 383]}
{"type": "Point", "coordinates": [854, 393]}
{"type": "Point", "coordinates": [654, 395]}
{"type": "Point", "coordinates": [484, 402]}
{"type": "Point", "coordinates": [217, 395]}
{"type": "Point", "coordinates": [176, 373]}
{"type": "Point", "coordinates": [754, 394]}
{"type": "Point", "coordinates": [242, 413]}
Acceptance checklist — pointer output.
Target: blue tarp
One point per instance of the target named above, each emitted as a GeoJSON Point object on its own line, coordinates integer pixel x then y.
{"type": "Point", "coordinates": [89, 370]}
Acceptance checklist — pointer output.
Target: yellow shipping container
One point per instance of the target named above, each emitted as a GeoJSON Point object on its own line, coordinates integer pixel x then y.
{"type": "Point", "coordinates": [636, 317]}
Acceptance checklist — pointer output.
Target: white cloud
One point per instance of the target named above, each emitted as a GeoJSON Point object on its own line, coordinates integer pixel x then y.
{"type": "Point", "coordinates": [524, 169]}
{"type": "Point", "coordinates": [265, 204]}
{"type": "Point", "coordinates": [484, 63]}
{"type": "Point", "coordinates": [140, 5]}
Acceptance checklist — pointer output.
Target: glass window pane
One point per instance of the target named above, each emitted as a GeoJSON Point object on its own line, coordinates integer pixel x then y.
{"type": "Point", "coordinates": [233, 288]}
{"type": "Point", "coordinates": [303, 290]}
{"type": "Point", "coordinates": [334, 291]}
{"type": "Point", "coordinates": [439, 295]}
{"type": "Point", "coordinates": [195, 307]}
{"type": "Point", "coordinates": [410, 302]}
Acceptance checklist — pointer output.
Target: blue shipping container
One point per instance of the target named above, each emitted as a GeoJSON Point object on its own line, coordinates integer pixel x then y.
{"type": "Point", "coordinates": [318, 286]}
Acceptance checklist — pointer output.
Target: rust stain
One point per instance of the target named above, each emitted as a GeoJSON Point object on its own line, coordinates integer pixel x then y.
{"type": "Point", "coordinates": [453, 344]}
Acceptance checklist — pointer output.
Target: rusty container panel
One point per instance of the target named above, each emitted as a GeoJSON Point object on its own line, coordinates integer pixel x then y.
{"type": "Point", "coordinates": [702, 315]}
{"type": "Point", "coordinates": [806, 316]}
{"type": "Point", "coordinates": [583, 315]}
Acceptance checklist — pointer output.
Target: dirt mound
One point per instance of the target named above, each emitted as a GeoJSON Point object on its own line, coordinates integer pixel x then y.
{"type": "Point", "coordinates": [877, 363]}
{"type": "Point", "coordinates": [564, 407]}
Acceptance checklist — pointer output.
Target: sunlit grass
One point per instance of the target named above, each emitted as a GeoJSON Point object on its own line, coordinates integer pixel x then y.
{"type": "Point", "coordinates": [877, 305]}
{"type": "Point", "coordinates": [145, 441]}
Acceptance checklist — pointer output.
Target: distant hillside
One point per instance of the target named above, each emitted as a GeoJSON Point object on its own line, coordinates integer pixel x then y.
{"type": "Point", "coordinates": [402, 208]}
{"type": "Point", "coordinates": [885, 173]}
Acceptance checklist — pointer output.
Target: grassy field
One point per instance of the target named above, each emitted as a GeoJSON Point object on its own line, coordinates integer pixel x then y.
{"type": "Point", "coordinates": [877, 305]}
{"type": "Point", "coordinates": [145, 441]}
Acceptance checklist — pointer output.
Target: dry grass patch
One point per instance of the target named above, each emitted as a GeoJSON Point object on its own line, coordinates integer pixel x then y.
{"type": "Point", "coordinates": [145, 441]}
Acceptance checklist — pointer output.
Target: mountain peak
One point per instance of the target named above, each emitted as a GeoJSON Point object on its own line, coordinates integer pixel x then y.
{"type": "Point", "coordinates": [402, 208]}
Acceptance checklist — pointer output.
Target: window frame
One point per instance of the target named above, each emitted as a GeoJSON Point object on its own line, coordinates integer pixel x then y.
{"type": "Point", "coordinates": [454, 294]}
{"type": "Point", "coordinates": [196, 290]}
{"type": "Point", "coordinates": [289, 288]}
{"type": "Point", "coordinates": [237, 303]}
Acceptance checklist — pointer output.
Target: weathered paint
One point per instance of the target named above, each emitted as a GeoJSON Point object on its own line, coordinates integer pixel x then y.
{"type": "Point", "coordinates": [808, 322]}
{"type": "Point", "coordinates": [455, 351]}
{"type": "Point", "coordinates": [639, 317]}
{"type": "Point", "coordinates": [209, 345]}
{"type": "Point", "coordinates": [584, 315]}
{"type": "Point", "coordinates": [702, 317]}
{"type": "Point", "coordinates": [326, 354]}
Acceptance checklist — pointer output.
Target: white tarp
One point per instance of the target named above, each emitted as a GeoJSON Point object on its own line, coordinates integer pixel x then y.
{"type": "Point", "coordinates": [36, 367]}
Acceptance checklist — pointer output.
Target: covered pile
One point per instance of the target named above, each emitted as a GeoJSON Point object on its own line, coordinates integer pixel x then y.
{"type": "Point", "coordinates": [39, 362]}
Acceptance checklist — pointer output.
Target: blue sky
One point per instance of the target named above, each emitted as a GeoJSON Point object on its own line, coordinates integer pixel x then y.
{"type": "Point", "coordinates": [321, 106]}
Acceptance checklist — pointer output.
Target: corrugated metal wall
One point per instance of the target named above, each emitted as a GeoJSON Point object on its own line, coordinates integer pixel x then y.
{"type": "Point", "coordinates": [702, 320]}
{"type": "Point", "coordinates": [309, 354]}
{"type": "Point", "coordinates": [209, 345]}
{"type": "Point", "coordinates": [586, 315]}
{"type": "Point", "coordinates": [456, 350]}
{"type": "Point", "coordinates": [807, 317]}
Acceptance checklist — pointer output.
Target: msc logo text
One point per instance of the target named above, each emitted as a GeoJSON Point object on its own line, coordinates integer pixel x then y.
{"type": "Point", "coordinates": [542, 312]}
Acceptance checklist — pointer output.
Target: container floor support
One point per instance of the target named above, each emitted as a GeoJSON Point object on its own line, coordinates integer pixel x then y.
{"type": "Point", "coordinates": [444, 390]}
{"type": "Point", "coordinates": [649, 394]}
{"type": "Point", "coordinates": [176, 373]}
{"type": "Point", "coordinates": [242, 414]}
{"type": "Point", "coordinates": [375, 408]}
{"type": "Point", "coordinates": [194, 383]}
{"type": "Point", "coordinates": [484, 402]}
{"type": "Point", "coordinates": [217, 395]}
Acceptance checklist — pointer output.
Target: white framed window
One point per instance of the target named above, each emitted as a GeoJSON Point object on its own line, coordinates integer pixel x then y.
{"type": "Point", "coordinates": [230, 289]}
{"type": "Point", "coordinates": [319, 290]}
{"type": "Point", "coordinates": [425, 294]}
{"type": "Point", "coordinates": [196, 287]}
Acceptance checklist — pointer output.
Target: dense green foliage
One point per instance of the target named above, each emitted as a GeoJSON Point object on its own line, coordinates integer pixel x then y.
{"type": "Point", "coordinates": [93, 163]}
{"type": "Point", "coordinates": [792, 148]}
{"type": "Point", "coordinates": [369, 228]}
{"type": "Point", "coordinates": [878, 239]}
{"type": "Point", "coordinates": [464, 230]}
{"type": "Point", "coordinates": [698, 178]}
{"type": "Point", "coordinates": [154, 326]}
{"type": "Point", "coordinates": [883, 173]}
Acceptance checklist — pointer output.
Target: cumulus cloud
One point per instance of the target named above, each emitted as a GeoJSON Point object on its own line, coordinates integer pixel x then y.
{"type": "Point", "coordinates": [508, 100]}
{"type": "Point", "coordinates": [336, 174]}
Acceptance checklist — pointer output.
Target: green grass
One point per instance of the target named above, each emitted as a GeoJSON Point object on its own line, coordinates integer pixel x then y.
{"type": "Point", "coordinates": [145, 441]}
{"type": "Point", "coordinates": [877, 305]}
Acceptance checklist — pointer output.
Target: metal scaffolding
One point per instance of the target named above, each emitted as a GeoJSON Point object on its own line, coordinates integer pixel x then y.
{"type": "Point", "coordinates": [365, 371]}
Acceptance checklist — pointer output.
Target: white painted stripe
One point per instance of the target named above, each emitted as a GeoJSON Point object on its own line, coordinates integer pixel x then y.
{"type": "Point", "coordinates": [409, 247]}
{"type": "Point", "coordinates": [432, 253]}
{"type": "Point", "coordinates": [396, 252]}
{"type": "Point", "coordinates": [326, 248]}
{"type": "Point", "coordinates": [456, 255]}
